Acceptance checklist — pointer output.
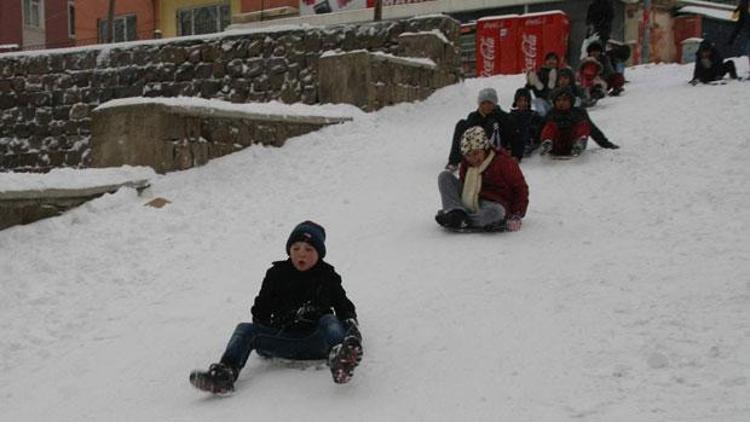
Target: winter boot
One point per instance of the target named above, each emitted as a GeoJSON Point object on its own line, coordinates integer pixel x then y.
{"type": "Point", "coordinates": [578, 146]}
{"type": "Point", "coordinates": [546, 147]}
{"type": "Point", "coordinates": [219, 379]}
{"type": "Point", "coordinates": [344, 357]}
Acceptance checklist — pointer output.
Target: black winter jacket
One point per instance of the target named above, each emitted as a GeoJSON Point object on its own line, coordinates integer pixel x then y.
{"type": "Point", "coordinates": [743, 21]}
{"type": "Point", "coordinates": [528, 123]}
{"type": "Point", "coordinates": [285, 290]}
{"type": "Point", "coordinates": [497, 124]}
{"type": "Point", "coordinates": [600, 15]}
{"type": "Point", "coordinates": [713, 72]}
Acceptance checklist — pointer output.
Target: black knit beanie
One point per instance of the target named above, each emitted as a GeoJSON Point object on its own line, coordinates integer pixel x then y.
{"type": "Point", "coordinates": [309, 232]}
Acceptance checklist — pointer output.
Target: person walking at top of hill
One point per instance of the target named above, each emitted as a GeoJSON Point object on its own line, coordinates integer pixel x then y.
{"type": "Point", "coordinates": [490, 117]}
{"type": "Point", "coordinates": [599, 17]}
{"type": "Point", "coordinates": [742, 13]}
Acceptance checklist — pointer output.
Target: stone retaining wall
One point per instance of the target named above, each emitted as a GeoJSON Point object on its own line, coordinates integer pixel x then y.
{"type": "Point", "coordinates": [169, 137]}
{"type": "Point", "coordinates": [46, 99]}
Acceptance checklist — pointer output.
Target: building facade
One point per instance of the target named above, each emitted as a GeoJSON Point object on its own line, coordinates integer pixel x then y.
{"type": "Point", "coordinates": [196, 17]}
{"type": "Point", "coordinates": [36, 24]}
{"type": "Point", "coordinates": [59, 22]}
{"type": "Point", "coordinates": [11, 28]}
{"type": "Point", "coordinates": [133, 20]}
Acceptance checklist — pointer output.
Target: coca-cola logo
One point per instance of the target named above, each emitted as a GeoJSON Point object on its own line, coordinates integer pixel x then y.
{"type": "Point", "coordinates": [487, 49]}
{"type": "Point", "coordinates": [528, 47]}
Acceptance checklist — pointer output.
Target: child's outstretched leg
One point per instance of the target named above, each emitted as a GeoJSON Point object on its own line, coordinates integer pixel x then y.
{"type": "Point", "coordinates": [220, 377]}
{"type": "Point", "coordinates": [344, 357]}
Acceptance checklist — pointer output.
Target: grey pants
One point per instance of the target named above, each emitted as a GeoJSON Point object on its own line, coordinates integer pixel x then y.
{"type": "Point", "coordinates": [450, 194]}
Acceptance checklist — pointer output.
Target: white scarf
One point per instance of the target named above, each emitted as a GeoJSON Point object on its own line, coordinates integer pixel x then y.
{"type": "Point", "coordinates": [473, 183]}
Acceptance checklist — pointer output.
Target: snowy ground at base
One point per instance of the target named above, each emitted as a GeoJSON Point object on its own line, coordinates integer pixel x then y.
{"type": "Point", "coordinates": [625, 297]}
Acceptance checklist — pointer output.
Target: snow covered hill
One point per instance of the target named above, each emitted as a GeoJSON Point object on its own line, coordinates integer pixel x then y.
{"type": "Point", "coordinates": [625, 297]}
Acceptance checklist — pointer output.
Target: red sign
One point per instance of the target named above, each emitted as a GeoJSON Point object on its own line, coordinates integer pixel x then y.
{"type": "Point", "coordinates": [512, 44]}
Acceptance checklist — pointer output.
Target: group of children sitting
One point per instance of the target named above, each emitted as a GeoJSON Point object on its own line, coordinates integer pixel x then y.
{"type": "Point", "coordinates": [490, 192]}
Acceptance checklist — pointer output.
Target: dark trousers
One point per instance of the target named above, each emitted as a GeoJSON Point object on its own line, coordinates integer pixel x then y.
{"type": "Point", "coordinates": [727, 67]}
{"type": "Point", "coordinates": [314, 343]}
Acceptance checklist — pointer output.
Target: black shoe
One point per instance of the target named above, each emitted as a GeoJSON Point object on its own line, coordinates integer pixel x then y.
{"type": "Point", "coordinates": [454, 219]}
{"type": "Point", "coordinates": [343, 358]}
{"type": "Point", "coordinates": [219, 379]}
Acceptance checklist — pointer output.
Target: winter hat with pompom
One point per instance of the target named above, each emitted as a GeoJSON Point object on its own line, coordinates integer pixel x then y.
{"type": "Point", "coordinates": [474, 138]}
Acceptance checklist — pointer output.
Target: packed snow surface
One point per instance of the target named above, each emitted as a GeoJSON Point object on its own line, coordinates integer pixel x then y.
{"type": "Point", "coordinates": [625, 297]}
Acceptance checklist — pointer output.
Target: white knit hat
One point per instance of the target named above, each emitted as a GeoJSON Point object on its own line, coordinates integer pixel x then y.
{"type": "Point", "coordinates": [474, 138]}
{"type": "Point", "coordinates": [487, 94]}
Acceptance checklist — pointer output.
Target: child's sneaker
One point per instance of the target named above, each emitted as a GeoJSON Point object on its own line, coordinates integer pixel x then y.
{"type": "Point", "coordinates": [343, 358]}
{"type": "Point", "coordinates": [578, 146]}
{"type": "Point", "coordinates": [545, 147]}
{"type": "Point", "coordinates": [219, 379]}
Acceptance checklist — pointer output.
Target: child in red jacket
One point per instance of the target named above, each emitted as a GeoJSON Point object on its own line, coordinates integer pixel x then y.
{"type": "Point", "coordinates": [490, 192]}
{"type": "Point", "coordinates": [567, 129]}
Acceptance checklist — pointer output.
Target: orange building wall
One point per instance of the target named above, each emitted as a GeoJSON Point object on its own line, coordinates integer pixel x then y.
{"type": "Point", "coordinates": [255, 5]}
{"type": "Point", "coordinates": [88, 13]}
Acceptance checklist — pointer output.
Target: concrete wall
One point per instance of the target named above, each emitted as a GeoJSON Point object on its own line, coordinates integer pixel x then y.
{"type": "Point", "coordinates": [167, 137]}
{"type": "Point", "coordinates": [46, 99]}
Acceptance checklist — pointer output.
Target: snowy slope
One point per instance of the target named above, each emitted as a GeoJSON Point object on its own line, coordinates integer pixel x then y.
{"type": "Point", "coordinates": [625, 297]}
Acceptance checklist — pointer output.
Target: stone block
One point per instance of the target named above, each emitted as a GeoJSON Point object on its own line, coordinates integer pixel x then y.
{"type": "Point", "coordinates": [345, 78]}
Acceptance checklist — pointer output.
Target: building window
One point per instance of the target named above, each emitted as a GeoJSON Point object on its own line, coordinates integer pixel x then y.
{"type": "Point", "coordinates": [71, 19]}
{"type": "Point", "coordinates": [203, 20]}
{"type": "Point", "coordinates": [124, 29]}
{"type": "Point", "coordinates": [32, 13]}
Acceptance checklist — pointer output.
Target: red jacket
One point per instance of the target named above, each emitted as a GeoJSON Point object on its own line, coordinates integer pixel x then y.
{"type": "Point", "coordinates": [503, 182]}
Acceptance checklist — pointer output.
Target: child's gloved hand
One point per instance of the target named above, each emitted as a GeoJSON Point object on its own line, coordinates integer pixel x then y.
{"type": "Point", "coordinates": [513, 224]}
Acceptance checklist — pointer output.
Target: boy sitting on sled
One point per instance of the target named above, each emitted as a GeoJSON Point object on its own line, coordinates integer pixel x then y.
{"type": "Point", "coordinates": [301, 313]}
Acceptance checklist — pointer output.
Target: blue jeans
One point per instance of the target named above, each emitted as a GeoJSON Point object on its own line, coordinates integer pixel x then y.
{"type": "Point", "coordinates": [283, 343]}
